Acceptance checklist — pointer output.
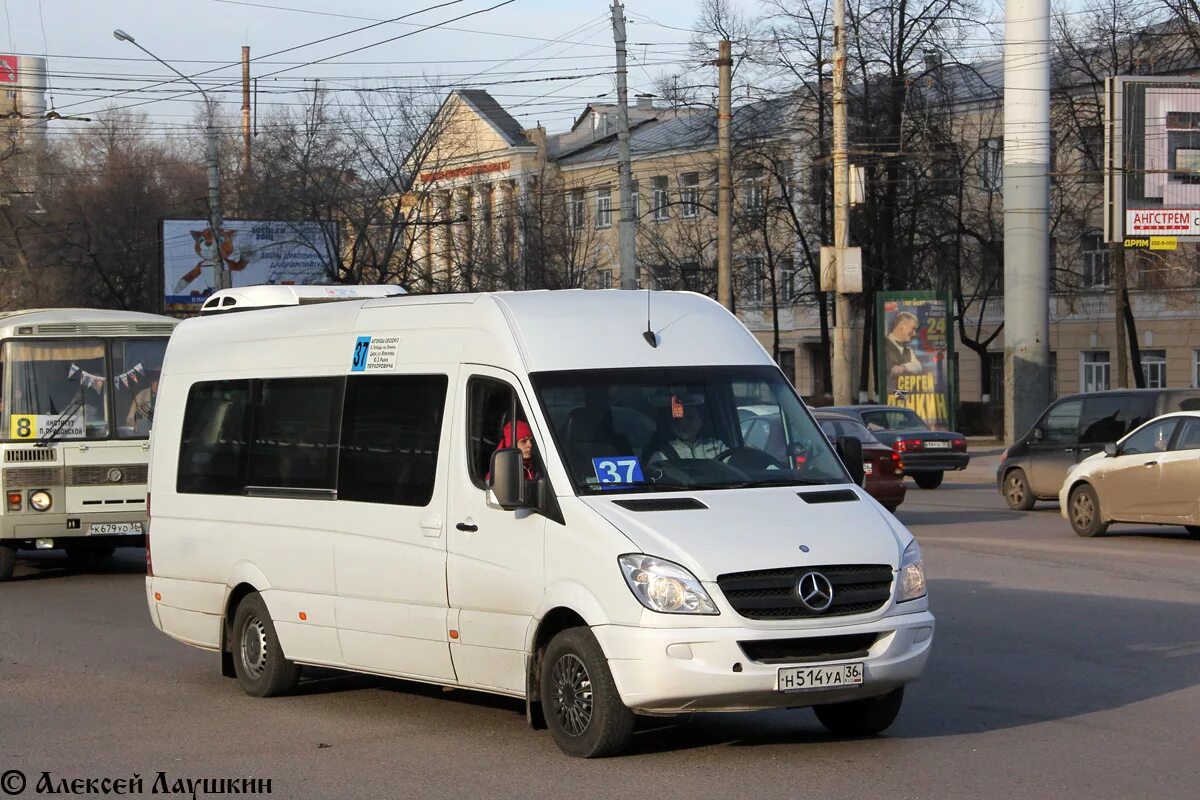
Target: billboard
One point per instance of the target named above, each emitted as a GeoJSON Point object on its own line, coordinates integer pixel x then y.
{"type": "Point", "coordinates": [256, 252]}
{"type": "Point", "coordinates": [8, 69]}
{"type": "Point", "coordinates": [1152, 159]}
{"type": "Point", "coordinates": [915, 354]}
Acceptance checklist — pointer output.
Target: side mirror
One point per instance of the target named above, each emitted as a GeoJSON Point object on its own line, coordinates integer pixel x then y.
{"type": "Point", "coordinates": [850, 451]}
{"type": "Point", "coordinates": [1037, 434]}
{"type": "Point", "coordinates": [508, 479]}
{"type": "Point", "coordinates": [1110, 450]}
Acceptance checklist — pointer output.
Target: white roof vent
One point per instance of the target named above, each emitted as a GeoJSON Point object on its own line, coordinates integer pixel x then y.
{"type": "Point", "coordinates": [252, 298]}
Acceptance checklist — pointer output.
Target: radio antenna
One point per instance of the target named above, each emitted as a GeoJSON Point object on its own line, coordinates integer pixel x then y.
{"type": "Point", "coordinates": [649, 336]}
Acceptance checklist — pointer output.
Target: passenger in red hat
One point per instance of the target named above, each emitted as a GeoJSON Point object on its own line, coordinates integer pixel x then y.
{"type": "Point", "coordinates": [524, 443]}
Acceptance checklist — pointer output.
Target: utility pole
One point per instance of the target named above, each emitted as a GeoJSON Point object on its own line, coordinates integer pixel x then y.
{"type": "Point", "coordinates": [1120, 295]}
{"type": "Point", "coordinates": [221, 276]}
{"type": "Point", "coordinates": [1026, 213]}
{"type": "Point", "coordinates": [842, 363]}
{"type": "Point", "coordinates": [725, 175]}
{"type": "Point", "coordinates": [245, 110]}
{"type": "Point", "coordinates": [627, 230]}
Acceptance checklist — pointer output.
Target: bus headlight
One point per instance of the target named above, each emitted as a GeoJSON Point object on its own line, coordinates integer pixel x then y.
{"type": "Point", "coordinates": [40, 500]}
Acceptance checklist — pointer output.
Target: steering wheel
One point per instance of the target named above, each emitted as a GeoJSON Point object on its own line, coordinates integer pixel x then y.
{"type": "Point", "coordinates": [749, 458]}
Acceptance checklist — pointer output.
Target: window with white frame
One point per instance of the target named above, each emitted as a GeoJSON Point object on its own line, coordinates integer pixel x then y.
{"type": "Point", "coordinates": [1094, 376]}
{"type": "Point", "coordinates": [992, 151]}
{"type": "Point", "coordinates": [756, 289]}
{"type": "Point", "coordinates": [604, 279]}
{"type": "Point", "coordinates": [753, 196]}
{"type": "Point", "coordinates": [1154, 368]}
{"type": "Point", "coordinates": [689, 194]}
{"type": "Point", "coordinates": [637, 202]}
{"type": "Point", "coordinates": [1096, 255]}
{"type": "Point", "coordinates": [1196, 368]}
{"type": "Point", "coordinates": [575, 209]}
{"type": "Point", "coordinates": [787, 279]}
{"type": "Point", "coordinates": [604, 206]}
{"type": "Point", "coordinates": [661, 200]}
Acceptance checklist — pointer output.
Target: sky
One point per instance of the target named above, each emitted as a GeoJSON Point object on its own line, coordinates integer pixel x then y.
{"type": "Point", "coordinates": [554, 49]}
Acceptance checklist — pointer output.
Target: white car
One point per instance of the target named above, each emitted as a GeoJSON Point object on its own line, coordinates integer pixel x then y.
{"type": "Point", "coordinates": [1149, 476]}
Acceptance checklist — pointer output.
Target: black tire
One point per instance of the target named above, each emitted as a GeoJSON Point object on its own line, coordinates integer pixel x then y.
{"type": "Point", "coordinates": [1017, 492]}
{"type": "Point", "coordinates": [866, 717]}
{"type": "Point", "coordinates": [258, 659]}
{"type": "Point", "coordinates": [583, 709]}
{"type": "Point", "coordinates": [892, 508]}
{"type": "Point", "coordinates": [81, 554]}
{"type": "Point", "coordinates": [929, 480]}
{"type": "Point", "coordinates": [1192, 531]}
{"type": "Point", "coordinates": [8, 562]}
{"type": "Point", "coordinates": [1083, 509]}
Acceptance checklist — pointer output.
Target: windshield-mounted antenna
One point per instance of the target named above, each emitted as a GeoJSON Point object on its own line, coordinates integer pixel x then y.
{"type": "Point", "coordinates": [648, 335]}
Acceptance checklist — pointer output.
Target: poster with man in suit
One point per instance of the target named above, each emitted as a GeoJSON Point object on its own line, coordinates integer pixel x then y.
{"type": "Point", "coordinates": [914, 354]}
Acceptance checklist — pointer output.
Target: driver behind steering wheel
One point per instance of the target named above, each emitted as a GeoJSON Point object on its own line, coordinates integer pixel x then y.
{"type": "Point", "coordinates": [687, 420]}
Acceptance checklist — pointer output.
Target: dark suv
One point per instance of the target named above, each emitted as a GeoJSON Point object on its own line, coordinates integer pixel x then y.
{"type": "Point", "coordinates": [1073, 428]}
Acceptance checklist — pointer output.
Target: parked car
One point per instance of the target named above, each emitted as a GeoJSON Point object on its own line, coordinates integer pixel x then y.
{"type": "Point", "coordinates": [1151, 475]}
{"type": "Point", "coordinates": [927, 454]}
{"type": "Point", "coordinates": [1074, 428]}
{"type": "Point", "coordinates": [883, 466]}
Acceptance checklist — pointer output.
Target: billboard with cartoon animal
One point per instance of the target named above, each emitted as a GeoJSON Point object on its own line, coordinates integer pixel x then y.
{"type": "Point", "coordinates": [255, 252]}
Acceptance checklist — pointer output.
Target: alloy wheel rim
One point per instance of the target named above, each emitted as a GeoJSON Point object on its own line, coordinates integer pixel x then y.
{"type": "Point", "coordinates": [254, 647]}
{"type": "Point", "coordinates": [1083, 510]}
{"type": "Point", "coordinates": [572, 687]}
{"type": "Point", "coordinates": [1016, 492]}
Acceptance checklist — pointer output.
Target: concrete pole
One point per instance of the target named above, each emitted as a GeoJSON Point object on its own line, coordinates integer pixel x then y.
{"type": "Point", "coordinates": [842, 366]}
{"type": "Point", "coordinates": [627, 226]}
{"type": "Point", "coordinates": [1120, 377]}
{"type": "Point", "coordinates": [1026, 213]}
{"type": "Point", "coordinates": [245, 110]}
{"type": "Point", "coordinates": [725, 175]}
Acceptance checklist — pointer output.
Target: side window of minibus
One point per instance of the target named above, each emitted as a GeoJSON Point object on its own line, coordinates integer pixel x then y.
{"type": "Point", "coordinates": [296, 433]}
{"type": "Point", "coordinates": [214, 445]}
{"type": "Point", "coordinates": [489, 407]}
{"type": "Point", "coordinates": [391, 427]}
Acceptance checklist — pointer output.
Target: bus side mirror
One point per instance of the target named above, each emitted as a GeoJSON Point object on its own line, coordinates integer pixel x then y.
{"type": "Point", "coordinates": [850, 450]}
{"type": "Point", "coordinates": [508, 479]}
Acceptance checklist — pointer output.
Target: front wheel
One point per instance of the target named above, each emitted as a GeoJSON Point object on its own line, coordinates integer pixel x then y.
{"type": "Point", "coordinates": [8, 562]}
{"type": "Point", "coordinates": [1016, 491]}
{"type": "Point", "coordinates": [929, 480]}
{"type": "Point", "coordinates": [1084, 511]}
{"type": "Point", "coordinates": [861, 717]}
{"type": "Point", "coordinates": [583, 709]}
{"type": "Point", "coordinates": [258, 659]}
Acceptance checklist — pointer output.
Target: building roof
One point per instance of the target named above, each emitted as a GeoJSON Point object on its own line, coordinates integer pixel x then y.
{"type": "Point", "coordinates": [486, 106]}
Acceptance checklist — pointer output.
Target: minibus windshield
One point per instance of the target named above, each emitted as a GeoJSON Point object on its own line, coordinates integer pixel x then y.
{"type": "Point", "coordinates": [680, 428]}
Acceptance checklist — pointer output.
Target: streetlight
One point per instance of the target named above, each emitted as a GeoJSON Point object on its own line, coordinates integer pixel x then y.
{"type": "Point", "coordinates": [220, 271]}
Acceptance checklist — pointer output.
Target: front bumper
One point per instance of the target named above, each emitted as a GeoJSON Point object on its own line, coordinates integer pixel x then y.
{"type": "Point", "coordinates": [22, 530]}
{"type": "Point", "coordinates": [672, 670]}
{"type": "Point", "coordinates": [934, 462]}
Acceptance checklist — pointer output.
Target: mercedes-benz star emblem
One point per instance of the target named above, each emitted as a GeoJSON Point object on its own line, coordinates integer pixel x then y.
{"type": "Point", "coordinates": [115, 475]}
{"type": "Point", "coordinates": [815, 591]}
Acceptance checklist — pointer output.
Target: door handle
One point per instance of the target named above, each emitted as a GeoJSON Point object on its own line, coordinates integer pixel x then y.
{"type": "Point", "coordinates": [431, 526]}
{"type": "Point", "coordinates": [469, 527]}
{"type": "Point", "coordinates": [1149, 464]}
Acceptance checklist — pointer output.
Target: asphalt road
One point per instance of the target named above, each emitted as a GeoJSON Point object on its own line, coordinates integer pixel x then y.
{"type": "Point", "coordinates": [1062, 667]}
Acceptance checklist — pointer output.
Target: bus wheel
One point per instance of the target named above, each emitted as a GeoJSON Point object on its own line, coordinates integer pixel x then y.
{"type": "Point", "coordinates": [583, 709]}
{"type": "Point", "coordinates": [8, 560]}
{"type": "Point", "coordinates": [257, 657]}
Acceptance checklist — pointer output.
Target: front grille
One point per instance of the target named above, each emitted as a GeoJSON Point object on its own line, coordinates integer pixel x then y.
{"type": "Point", "coordinates": [32, 477]}
{"type": "Point", "coordinates": [771, 593]}
{"type": "Point", "coordinates": [30, 455]}
{"type": "Point", "coordinates": [812, 648]}
{"type": "Point", "coordinates": [99, 475]}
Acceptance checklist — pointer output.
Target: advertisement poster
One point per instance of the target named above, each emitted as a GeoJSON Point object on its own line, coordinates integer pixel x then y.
{"type": "Point", "coordinates": [256, 252]}
{"type": "Point", "coordinates": [915, 355]}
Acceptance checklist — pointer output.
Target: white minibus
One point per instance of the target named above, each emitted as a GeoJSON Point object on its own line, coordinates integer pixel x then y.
{"type": "Point", "coordinates": [544, 495]}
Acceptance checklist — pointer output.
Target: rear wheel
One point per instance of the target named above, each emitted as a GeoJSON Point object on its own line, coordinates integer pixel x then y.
{"type": "Point", "coordinates": [1193, 531]}
{"type": "Point", "coordinates": [1016, 491]}
{"type": "Point", "coordinates": [929, 480]}
{"type": "Point", "coordinates": [861, 717]}
{"type": "Point", "coordinates": [8, 561]}
{"type": "Point", "coordinates": [1083, 508]}
{"type": "Point", "coordinates": [257, 657]}
{"type": "Point", "coordinates": [583, 709]}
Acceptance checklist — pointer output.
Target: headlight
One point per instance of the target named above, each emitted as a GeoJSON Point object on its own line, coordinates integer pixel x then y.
{"type": "Point", "coordinates": [663, 586]}
{"type": "Point", "coordinates": [912, 574]}
{"type": "Point", "coordinates": [40, 500]}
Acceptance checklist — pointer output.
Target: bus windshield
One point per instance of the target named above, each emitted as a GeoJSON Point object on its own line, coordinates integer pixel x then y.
{"type": "Point", "coordinates": [70, 389]}
{"type": "Point", "coordinates": [680, 428]}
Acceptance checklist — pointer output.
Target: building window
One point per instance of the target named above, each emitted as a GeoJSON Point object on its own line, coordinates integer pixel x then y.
{"type": "Point", "coordinates": [993, 163]}
{"type": "Point", "coordinates": [689, 194]}
{"type": "Point", "coordinates": [1053, 375]}
{"type": "Point", "coordinates": [753, 195]}
{"type": "Point", "coordinates": [1154, 368]}
{"type": "Point", "coordinates": [783, 174]}
{"type": "Point", "coordinates": [996, 374]}
{"type": "Point", "coordinates": [575, 209]}
{"type": "Point", "coordinates": [756, 289]}
{"type": "Point", "coordinates": [1091, 145]}
{"type": "Point", "coordinates": [1096, 271]}
{"type": "Point", "coordinates": [1095, 373]}
{"type": "Point", "coordinates": [637, 201]}
{"type": "Point", "coordinates": [660, 202]}
{"type": "Point", "coordinates": [1196, 368]}
{"type": "Point", "coordinates": [787, 279]}
{"type": "Point", "coordinates": [787, 364]}
{"type": "Point", "coordinates": [604, 207]}
{"type": "Point", "coordinates": [604, 279]}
